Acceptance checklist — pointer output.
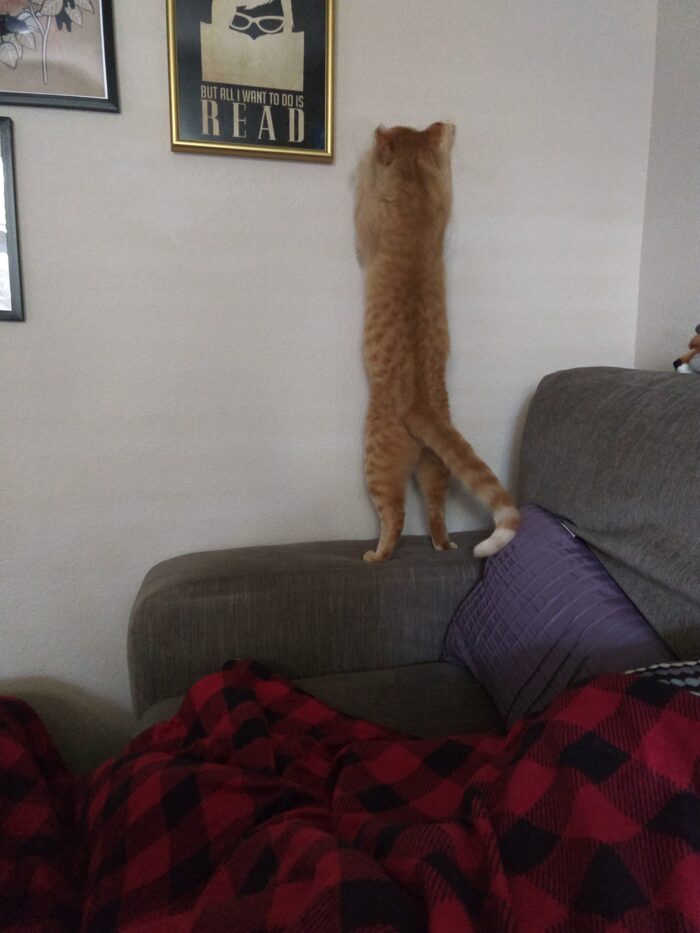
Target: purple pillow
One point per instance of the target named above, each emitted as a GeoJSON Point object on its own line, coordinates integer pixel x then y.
{"type": "Point", "coordinates": [545, 615]}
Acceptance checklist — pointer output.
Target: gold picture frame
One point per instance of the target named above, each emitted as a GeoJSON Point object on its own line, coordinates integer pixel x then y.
{"type": "Point", "coordinates": [252, 81]}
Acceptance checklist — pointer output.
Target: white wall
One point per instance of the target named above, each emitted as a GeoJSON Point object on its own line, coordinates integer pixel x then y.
{"type": "Point", "coordinates": [189, 375]}
{"type": "Point", "coordinates": [669, 296]}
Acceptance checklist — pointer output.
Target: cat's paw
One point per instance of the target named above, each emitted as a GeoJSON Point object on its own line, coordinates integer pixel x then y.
{"type": "Point", "coordinates": [450, 546]}
{"type": "Point", "coordinates": [371, 557]}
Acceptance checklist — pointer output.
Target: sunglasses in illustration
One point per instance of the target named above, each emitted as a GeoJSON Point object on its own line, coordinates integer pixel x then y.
{"type": "Point", "coordinates": [268, 25]}
{"type": "Point", "coordinates": [256, 19]}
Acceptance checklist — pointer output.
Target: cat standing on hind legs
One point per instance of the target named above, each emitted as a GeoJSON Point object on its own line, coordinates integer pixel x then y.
{"type": "Point", "coordinates": [403, 201]}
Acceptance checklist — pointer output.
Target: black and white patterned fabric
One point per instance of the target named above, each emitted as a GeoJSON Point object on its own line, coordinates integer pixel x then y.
{"type": "Point", "coordinates": [684, 674]}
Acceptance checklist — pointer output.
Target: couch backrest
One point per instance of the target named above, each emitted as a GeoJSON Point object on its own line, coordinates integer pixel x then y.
{"type": "Point", "coordinates": [617, 453]}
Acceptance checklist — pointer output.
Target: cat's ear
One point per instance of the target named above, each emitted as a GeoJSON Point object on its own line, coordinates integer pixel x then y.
{"type": "Point", "coordinates": [384, 146]}
{"type": "Point", "coordinates": [442, 135]}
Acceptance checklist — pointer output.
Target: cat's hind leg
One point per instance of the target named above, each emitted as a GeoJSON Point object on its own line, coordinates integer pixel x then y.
{"type": "Point", "coordinates": [440, 435]}
{"type": "Point", "coordinates": [390, 456]}
{"type": "Point", "coordinates": [433, 478]}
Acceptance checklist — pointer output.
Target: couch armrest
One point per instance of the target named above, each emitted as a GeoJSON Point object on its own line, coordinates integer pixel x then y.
{"type": "Point", "coordinates": [304, 610]}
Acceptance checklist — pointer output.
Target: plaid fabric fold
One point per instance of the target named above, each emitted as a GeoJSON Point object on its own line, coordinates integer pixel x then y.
{"type": "Point", "coordinates": [258, 808]}
{"type": "Point", "coordinates": [40, 856]}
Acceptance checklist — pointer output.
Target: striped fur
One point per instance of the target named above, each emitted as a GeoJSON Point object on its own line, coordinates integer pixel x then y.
{"type": "Point", "coordinates": [403, 201]}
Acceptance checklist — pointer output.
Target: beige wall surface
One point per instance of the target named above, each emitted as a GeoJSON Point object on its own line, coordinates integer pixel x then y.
{"type": "Point", "coordinates": [669, 293]}
{"type": "Point", "coordinates": [189, 375]}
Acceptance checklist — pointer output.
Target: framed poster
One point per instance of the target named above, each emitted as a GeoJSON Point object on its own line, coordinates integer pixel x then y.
{"type": "Point", "coordinates": [58, 53]}
{"type": "Point", "coordinates": [252, 77]}
{"type": "Point", "coordinates": [10, 283]}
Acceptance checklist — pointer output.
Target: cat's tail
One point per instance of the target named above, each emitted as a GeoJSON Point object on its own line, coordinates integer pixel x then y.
{"type": "Point", "coordinates": [443, 439]}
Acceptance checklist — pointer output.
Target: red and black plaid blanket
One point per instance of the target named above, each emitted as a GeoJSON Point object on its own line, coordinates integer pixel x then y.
{"type": "Point", "coordinates": [258, 808]}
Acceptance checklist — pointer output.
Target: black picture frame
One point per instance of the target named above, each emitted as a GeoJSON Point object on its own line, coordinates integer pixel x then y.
{"type": "Point", "coordinates": [10, 278]}
{"type": "Point", "coordinates": [109, 101]}
{"type": "Point", "coordinates": [252, 79]}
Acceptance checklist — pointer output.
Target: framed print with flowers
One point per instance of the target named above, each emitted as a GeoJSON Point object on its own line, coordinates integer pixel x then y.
{"type": "Point", "coordinates": [58, 53]}
{"type": "Point", "coordinates": [252, 77]}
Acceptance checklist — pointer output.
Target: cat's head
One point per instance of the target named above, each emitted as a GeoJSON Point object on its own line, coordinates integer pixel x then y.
{"type": "Point", "coordinates": [406, 151]}
{"type": "Point", "coordinates": [406, 169]}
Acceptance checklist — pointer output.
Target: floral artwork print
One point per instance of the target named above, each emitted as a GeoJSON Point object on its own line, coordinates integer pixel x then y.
{"type": "Point", "coordinates": [27, 25]}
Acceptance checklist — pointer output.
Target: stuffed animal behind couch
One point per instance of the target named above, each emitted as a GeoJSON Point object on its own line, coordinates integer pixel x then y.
{"type": "Point", "coordinates": [690, 362]}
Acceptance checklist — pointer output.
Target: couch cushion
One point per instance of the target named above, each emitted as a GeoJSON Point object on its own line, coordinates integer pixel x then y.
{"type": "Point", "coordinates": [422, 699]}
{"type": "Point", "coordinates": [419, 699]}
{"type": "Point", "coordinates": [614, 451]}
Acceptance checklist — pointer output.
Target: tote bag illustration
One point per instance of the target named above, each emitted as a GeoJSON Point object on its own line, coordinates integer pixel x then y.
{"type": "Point", "coordinates": [231, 55]}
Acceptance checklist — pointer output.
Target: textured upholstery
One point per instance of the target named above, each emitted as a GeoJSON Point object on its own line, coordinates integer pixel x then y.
{"type": "Point", "coordinates": [304, 610]}
{"type": "Point", "coordinates": [616, 452]}
{"type": "Point", "coordinates": [423, 699]}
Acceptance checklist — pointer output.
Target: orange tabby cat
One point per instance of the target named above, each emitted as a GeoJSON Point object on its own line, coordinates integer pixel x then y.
{"type": "Point", "coordinates": [404, 193]}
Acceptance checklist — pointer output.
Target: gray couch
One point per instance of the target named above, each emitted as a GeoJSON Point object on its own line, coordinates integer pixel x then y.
{"type": "Point", "coordinates": [614, 451]}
